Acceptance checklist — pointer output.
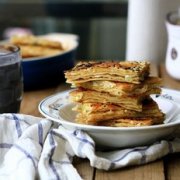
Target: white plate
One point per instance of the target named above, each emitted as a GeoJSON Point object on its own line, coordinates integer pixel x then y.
{"type": "Point", "coordinates": [117, 137]}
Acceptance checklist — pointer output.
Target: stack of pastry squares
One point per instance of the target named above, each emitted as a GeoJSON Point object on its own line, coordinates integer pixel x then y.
{"type": "Point", "coordinates": [115, 93]}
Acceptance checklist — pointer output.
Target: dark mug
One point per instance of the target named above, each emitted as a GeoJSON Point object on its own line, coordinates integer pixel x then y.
{"type": "Point", "coordinates": [11, 80]}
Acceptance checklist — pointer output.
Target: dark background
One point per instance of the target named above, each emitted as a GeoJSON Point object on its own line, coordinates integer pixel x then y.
{"type": "Point", "coordinates": [100, 25]}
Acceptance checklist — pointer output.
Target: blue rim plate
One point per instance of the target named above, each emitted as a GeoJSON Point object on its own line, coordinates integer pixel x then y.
{"type": "Point", "coordinates": [168, 101]}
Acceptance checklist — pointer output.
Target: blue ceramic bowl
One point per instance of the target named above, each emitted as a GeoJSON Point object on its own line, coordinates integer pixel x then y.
{"type": "Point", "coordinates": [49, 71]}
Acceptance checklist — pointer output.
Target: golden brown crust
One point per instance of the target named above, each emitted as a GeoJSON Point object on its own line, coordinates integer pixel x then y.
{"type": "Point", "coordinates": [36, 41]}
{"type": "Point", "coordinates": [149, 86]}
{"type": "Point", "coordinates": [148, 105]}
{"type": "Point", "coordinates": [32, 46]}
{"type": "Point", "coordinates": [124, 71]}
{"type": "Point", "coordinates": [115, 94]}
{"type": "Point", "coordinates": [134, 66]}
{"type": "Point", "coordinates": [37, 51]}
{"type": "Point", "coordinates": [86, 96]}
{"type": "Point", "coordinates": [128, 122]}
{"type": "Point", "coordinates": [96, 112]}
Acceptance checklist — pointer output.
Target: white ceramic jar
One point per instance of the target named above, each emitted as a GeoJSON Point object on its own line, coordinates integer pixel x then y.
{"type": "Point", "coordinates": [146, 31]}
{"type": "Point", "coordinates": [173, 48]}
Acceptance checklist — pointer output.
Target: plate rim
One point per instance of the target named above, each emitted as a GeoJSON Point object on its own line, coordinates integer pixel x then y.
{"type": "Point", "coordinates": [91, 127]}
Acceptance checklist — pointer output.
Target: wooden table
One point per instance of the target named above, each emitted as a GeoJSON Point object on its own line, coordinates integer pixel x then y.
{"type": "Point", "coordinates": [166, 168]}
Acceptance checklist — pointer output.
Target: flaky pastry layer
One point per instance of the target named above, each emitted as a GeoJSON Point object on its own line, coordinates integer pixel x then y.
{"type": "Point", "coordinates": [150, 86]}
{"type": "Point", "coordinates": [124, 71]}
{"type": "Point", "coordinates": [87, 96]}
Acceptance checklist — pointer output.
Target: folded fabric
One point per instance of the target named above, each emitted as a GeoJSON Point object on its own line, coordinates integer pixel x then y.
{"type": "Point", "coordinates": [36, 148]}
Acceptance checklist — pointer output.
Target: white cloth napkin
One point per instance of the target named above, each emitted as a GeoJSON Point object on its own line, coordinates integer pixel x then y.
{"type": "Point", "coordinates": [35, 148]}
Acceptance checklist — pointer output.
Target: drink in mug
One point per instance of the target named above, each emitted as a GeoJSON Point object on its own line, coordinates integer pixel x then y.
{"type": "Point", "coordinates": [11, 81]}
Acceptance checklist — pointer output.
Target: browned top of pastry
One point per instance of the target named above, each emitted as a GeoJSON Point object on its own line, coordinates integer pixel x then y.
{"type": "Point", "coordinates": [123, 71]}
{"type": "Point", "coordinates": [126, 65]}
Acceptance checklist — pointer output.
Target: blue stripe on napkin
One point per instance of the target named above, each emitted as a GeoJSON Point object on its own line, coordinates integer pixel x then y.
{"type": "Point", "coordinates": [28, 155]}
{"type": "Point", "coordinates": [5, 145]}
{"type": "Point", "coordinates": [40, 134]}
{"type": "Point", "coordinates": [52, 143]}
{"type": "Point", "coordinates": [83, 138]}
{"type": "Point", "coordinates": [18, 126]}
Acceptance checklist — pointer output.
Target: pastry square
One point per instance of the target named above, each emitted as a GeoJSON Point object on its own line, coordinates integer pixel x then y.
{"type": "Point", "coordinates": [36, 41]}
{"type": "Point", "coordinates": [28, 51]}
{"type": "Point", "coordinates": [130, 122]}
{"type": "Point", "coordinates": [150, 86]}
{"type": "Point", "coordinates": [88, 96]}
{"type": "Point", "coordinates": [124, 71]}
{"type": "Point", "coordinates": [97, 112]}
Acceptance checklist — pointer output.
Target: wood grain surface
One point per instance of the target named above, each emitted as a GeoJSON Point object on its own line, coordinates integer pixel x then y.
{"type": "Point", "coordinates": [167, 168]}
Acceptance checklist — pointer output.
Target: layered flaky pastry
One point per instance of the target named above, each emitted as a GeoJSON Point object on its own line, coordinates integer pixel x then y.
{"type": "Point", "coordinates": [37, 51]}
{"type": "Point", "coordinates": [33, 46]}
{"type": "Point", "coordinates": [150, 86]}
{"type": "Point", "coordinates": [115, 94]}
{"type": "Point", "coordinates": [93, 113]}
{"type": "Point", "coordinates": [130, 122]}
{"type": "Point", "coordinates": [87, 96]}
{"type": "Point", "coordinates": [124, 71]}
{"type": "Point", "coordinates": [31, 40]}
